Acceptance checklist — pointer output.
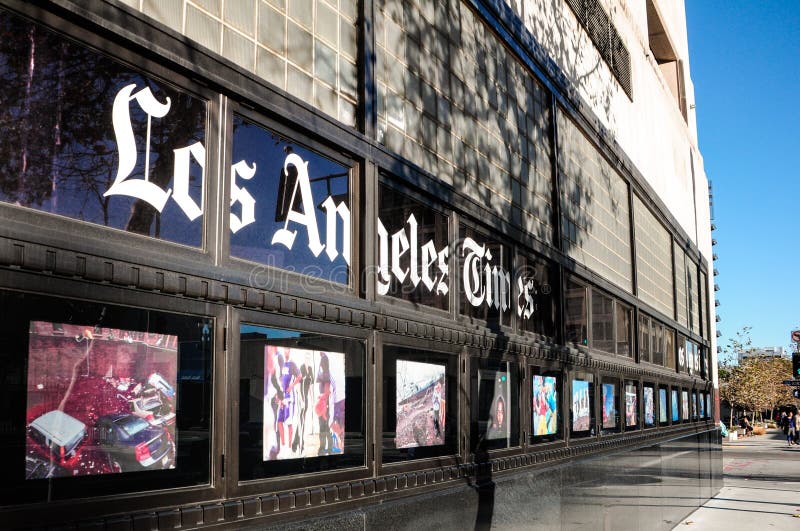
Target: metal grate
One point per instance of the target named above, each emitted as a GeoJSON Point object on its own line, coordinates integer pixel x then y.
{"type": "Point", "coordinates": [606, 39]}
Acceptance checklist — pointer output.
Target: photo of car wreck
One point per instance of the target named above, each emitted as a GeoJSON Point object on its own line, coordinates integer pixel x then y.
{"type": "Point", "coordinates": [99, 401]}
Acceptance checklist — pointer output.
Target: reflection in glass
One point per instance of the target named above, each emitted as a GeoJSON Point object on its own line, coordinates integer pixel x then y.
{"type": "Point", "coordinates": [301, 218]}
{"type": "Point", "coordinates": [602, 322]}
{"type": "Point", "coordinates": [427, 249]}
{"type": "Point", "coordinates": [575, 319]}
{"type": "Point", "coordinates": [535, 296]}
{"type": "Point", "coordinates": [60, 148]}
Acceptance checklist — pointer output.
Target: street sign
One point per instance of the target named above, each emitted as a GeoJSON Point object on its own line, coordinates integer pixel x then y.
{"type": "Point", "coordinates": [795, 383]}
{"type": "Point", "coordinates": [796, 336]}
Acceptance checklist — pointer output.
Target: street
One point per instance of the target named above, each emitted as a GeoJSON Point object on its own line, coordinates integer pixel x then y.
{"type": "Point", "coordinates": [762, 487]}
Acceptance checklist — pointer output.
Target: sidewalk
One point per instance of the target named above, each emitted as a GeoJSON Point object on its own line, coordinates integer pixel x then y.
{"type": "Point", "coordinates": [762, 487]}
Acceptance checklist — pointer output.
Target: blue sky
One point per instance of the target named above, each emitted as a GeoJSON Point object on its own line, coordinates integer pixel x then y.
{"type": "Point", "coordinates": [745, 65]}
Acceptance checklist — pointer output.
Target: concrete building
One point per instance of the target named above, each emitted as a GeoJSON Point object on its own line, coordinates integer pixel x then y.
{"type": "Point", "coordinates": [765, 352]}
{"type": "Point", "coordinates": [353, 263]}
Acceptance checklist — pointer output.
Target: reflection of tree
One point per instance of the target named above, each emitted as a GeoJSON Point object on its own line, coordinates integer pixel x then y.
{"type": "Point", "coordinates": [87, 336]}
{"type": "Point", "coordinates": [59, 150]}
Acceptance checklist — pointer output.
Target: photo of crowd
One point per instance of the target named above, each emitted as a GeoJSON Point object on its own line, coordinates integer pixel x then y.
{"type": "Point", "coordinates": [631, 405]}
{"type": "Point", "coordinates": [493, 398]}
{"type": "Point", "coordinates": [304, 403]}
{"type": "Point", "coordinates": [649, 406]}
{"type": "Point", "coordinates": [99, 401]}
{"type": "Point", "coordinates": [545, 405]}
{"type": "Point", "coordinates": [581, 406]}
{"type": "Point", "coordinates": [609, 406]}
{"type": "Point", "coordinates": [420, 404]}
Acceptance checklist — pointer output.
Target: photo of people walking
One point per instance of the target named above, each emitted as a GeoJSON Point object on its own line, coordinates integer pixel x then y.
{"type": "Point", "coordinates": [304, 403]}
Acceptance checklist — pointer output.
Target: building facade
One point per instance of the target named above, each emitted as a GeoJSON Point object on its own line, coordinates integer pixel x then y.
{"type": "Point", "coordinates": [764, 352]}
{"type": "Point", "coordinates": [353, 263]}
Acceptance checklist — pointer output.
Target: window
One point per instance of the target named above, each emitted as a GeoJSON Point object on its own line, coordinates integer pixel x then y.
{"type": "Point", "coordinates": [669, 348]}
{"type": "Point", "coordinates": [649, 405]}
{"type": "Point", "coordinates": [68, 157]}
{"type": "Point", "coordinates": [290, 206]}
{"type": "Point", "coordinates": [582, 415]}
{"type": "Point", "coordinates": [694, 405]}
{"type": "Point", "coordinates": [624, 330]}
{"type": "Point", "coordinates": [664, 54]}
{"type": "Point", "coordinates": [576, 318]}
{"type": "Point", "coordinates": [121, 376]}
{"type": "Point", "coordinates": [610, 405]}
{"type": "Point", "coordinates": [495, 413]}
{"type": "Point", "coordinates": [536, 295]}
{"type": "Point", "coordinates": [546, 422]}
{"type": "Point", "coordinates": [485, 277]}
{"type": "Point", "coordinates": [657, 342]}
{"type": "Point", "coordinates": [412, 250]}
{"type": "Point", "coordinates": [300, 407]}
{"type": "Point", "coordinates": [420, 404]}
{"type": "Point", "coordinates": [602, 322]}
{"type": "Point", "coordinates": [631, 405]}
{"type": "Point", "coordinates": [644, 338]}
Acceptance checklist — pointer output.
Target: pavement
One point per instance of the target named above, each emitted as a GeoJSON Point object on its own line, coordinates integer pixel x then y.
{"type": "Point", "coordinates": [761, 488]}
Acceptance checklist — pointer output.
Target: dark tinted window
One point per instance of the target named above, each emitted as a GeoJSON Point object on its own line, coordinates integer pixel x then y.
{"type": "Point", "coordinates": [290, 206]}
{"type": "Point", "coordinates": [575, 320]}
{"type": "Point", "coordinates": [536, 296]}
{"type": "Point", "coordinates": [484, 267]}
{"type": "Point", "coordinates": [76, 131]}
{"type": "Point", "coordinates": [413, 253]}
{"type": "Point", "coordinates": [74, 366]}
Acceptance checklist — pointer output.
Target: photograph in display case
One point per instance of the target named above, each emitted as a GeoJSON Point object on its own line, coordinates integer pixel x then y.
{"type": "Point", "coordinates": [631, 405]}
{"type": "Point", "coordinates": [649, 406]}
{"type": "Point", "coordinates": [581, 406]}
{"type": "Point", "coordinates": [662, 405]}
{"type": "Point", "coordinates": [99, 400]}
{"type": "Point", "coordinates": [685, 405]}
{"type": "Point", "coordinates": [708, 405]}
{"type": "Point", "coordinates": [676, 416]}
{"type": "Point", "coordinates": [609, 406]}
{"type": "Point", "coordinates": [545, 405]}
{"type": "Point", "coordinates": [420, 404]}
{"type": "Point", "coordinates": [493, 398]}
{"type": "Point", "coordinates": [304, 403]}
{"type": "Point", "coordinates": [702, 404]}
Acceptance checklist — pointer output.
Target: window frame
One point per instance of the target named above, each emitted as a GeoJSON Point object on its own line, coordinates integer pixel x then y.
{"type": "Point", "coordinates": [54, 229]}
{"type": "Point", "coordinates": [237, 487]}
{"type": "Point", "coordinates": [295, 283]}
{"type": "Point", "coordinates": [532, 442]}
{"type": "Point", "coordinates": [117, 296]}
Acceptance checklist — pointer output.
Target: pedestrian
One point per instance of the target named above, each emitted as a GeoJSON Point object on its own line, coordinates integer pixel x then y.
{"type": "Point", "coordinates": [792, 429]}
{"type": "Point", "coordinates": [783, 423]}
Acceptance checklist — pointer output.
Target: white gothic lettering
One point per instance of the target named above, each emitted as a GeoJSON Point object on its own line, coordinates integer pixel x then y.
{"type": "Point", "coordinates": [426, 264]}
{"type": "Point", "coordinates": [483, 282]}
{"type": "Point", "coordinates": [308, 218]}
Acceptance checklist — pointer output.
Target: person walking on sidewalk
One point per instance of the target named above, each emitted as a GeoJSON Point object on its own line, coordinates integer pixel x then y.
{"type": "Point", "coordinates": [792, 424]}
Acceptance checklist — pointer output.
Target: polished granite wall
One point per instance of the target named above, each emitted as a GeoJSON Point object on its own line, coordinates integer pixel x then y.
{"type": "Point", "coordinates": [652, 487]}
